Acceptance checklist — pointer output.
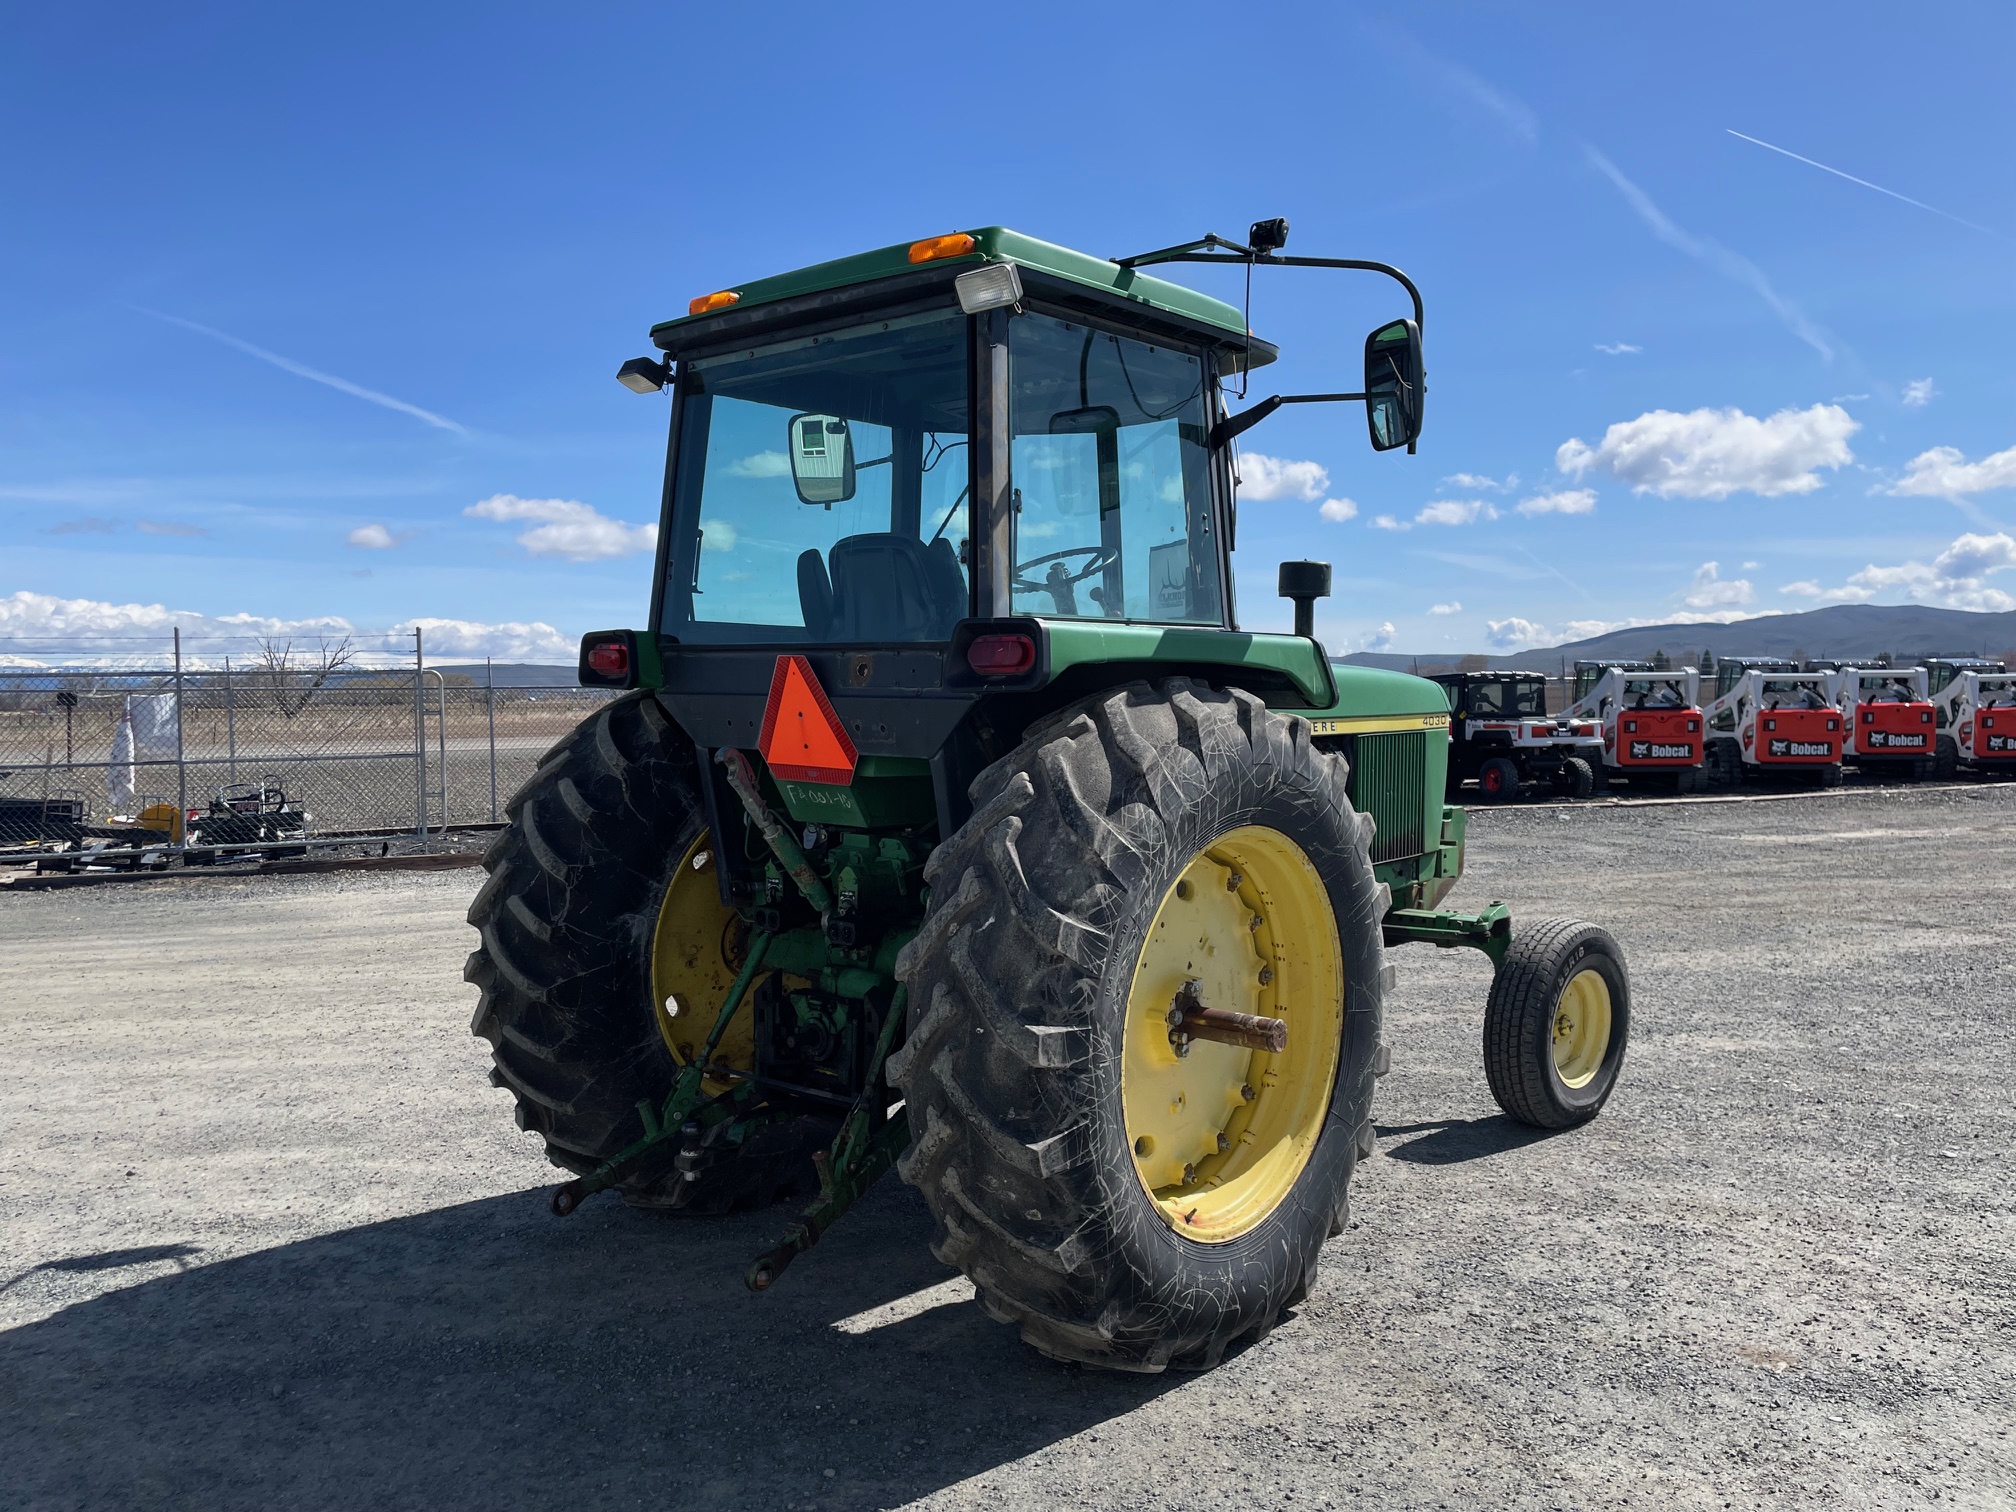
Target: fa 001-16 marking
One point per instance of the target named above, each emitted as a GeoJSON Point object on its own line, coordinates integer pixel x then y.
{"type": "Point", "coordinates": [1895, 741]}
{"type": "Point", "coordinates": [1801, 748]}
{"type": "Point", "coordinates": [1652, 750]}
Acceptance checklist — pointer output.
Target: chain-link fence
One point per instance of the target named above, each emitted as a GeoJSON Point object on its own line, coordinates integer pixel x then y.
{"type": "Point", "coordinates": [227, 760]}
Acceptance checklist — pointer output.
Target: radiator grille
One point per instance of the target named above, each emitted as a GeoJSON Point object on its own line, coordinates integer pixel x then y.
{"type": "Point", "coordinates": [1389, 774]}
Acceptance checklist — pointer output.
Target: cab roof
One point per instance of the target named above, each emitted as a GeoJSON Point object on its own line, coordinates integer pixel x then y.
{"type": "Point", "coordinates": [1050, 272]}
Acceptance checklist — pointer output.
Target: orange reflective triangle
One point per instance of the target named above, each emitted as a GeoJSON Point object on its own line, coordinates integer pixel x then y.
{"type": "Point", "coordinates": [802, 737]}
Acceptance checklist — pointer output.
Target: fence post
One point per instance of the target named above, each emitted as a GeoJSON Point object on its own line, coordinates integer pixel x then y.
{"type": "Point", "coordinates": [419, 737]}
{"type": "Point", "coordinates": [231, 720]}
{"type": "Point", "coordinates": [441, 736]}
{"type": "Point", "coordinates": [181, 767]}
{"type": "Point", "coordinates": [490, 689]}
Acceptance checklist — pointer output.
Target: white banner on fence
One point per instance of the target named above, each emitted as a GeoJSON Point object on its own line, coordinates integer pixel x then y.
{"type": "Point", "coordinates": [147, 731]}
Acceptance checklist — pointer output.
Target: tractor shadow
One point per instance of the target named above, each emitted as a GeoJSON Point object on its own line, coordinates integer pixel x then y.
{"type": "Point", "coordinates": [1451, 1141]}
{"type": "Point", "coordinates": [488, 1355]}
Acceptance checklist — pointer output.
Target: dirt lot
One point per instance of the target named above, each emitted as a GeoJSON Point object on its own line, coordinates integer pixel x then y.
{"type": "Point", "coordinates": [267, 1238]}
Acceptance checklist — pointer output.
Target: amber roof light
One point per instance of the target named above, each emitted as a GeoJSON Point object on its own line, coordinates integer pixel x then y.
{"type": "Point", "coordinates": [707, 304]}
{"type": "Point", "coordinates": [931, 249]}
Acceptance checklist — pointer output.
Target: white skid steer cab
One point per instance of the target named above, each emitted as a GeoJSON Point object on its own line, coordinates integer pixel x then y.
{"type": "Point", "coordinates": [1502, 737]}
{"type": "Point", "coordinates": [1770, 719]}
{"type": "Point", "coordinates": [1974, 711]}
{"type": "Point", "coordinates": [1891, 721]}
{"type": "Point", "coordinates": [1650, 721]}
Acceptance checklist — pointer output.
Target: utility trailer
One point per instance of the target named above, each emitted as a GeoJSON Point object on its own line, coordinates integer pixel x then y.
{"type": "Point", "coordinates": [1502, 738]}
{"type": "Point", "coordinates": [1890, 719]}
{"type": "Point", "coordinates": [1771, 718]}
{"type": "Point", "coordinates": [1974, 711]}
{"type": "Point", "coordinates": [1650, 719]}
{"type": "Point", "coordinates": [951, 823]}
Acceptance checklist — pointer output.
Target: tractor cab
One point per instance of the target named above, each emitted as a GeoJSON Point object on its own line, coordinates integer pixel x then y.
{"type": "Point", "coordinates": [1650, 719]}
{"type": "Point", "coordinates": [1502, 737]}
{"type": "Point", "coordinates": [1890, 718]}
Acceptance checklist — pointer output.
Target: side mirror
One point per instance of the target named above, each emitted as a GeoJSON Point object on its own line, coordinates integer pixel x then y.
{"type": "Point", "coordinates": [822, 459]}
{"type": "Point", "coordinates": [1393, 384]}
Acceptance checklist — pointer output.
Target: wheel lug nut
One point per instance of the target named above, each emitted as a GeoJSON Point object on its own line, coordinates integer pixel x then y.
{"type": "Point", "coordinates": [1189, 1173]}
{"type": "Point", "coordinates": [1224, 1141]}
{"type": "Point", "coordinates": [1234, 882]}
{"type": "Point", "coordinates": [1266, 975]}
{"type": "Point", "coordinates": [1246, 1092]}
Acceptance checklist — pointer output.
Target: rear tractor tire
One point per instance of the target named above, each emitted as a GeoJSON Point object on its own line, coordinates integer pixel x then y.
{"type": "Point", "coordinates": [1556, 1024]}
{"type": "Point", "coordinates": [606, 951]}
{"type": "Point", "coordinates": [1125, 1196]}
{"type": "Point", "coordinates": [1498, 779]}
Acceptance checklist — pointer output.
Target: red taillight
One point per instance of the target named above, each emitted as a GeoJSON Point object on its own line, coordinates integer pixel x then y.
{"type": "Point", "coordinates": [1001, 655]}
{"type": "Point", "coordinates": [609, 659]}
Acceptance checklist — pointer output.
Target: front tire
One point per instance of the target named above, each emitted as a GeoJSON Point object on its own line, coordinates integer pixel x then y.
{"type": "Point", "coordinates": [1123, 1205]}
{"type": "Point", "coordinates": [1576, 779]}
{"type": "Point", "coordinates": [1556, 1023]}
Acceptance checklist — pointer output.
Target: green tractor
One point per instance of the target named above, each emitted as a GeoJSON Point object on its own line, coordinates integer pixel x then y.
{"type": "Point", "coordinates": [952, 823]}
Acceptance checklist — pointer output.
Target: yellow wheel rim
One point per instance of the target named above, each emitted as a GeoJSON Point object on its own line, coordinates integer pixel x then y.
{"type": "Point", "coordinates": [1582, 1028]}
{"type": "Point", "coordinates": [696, 950]}
{"type": "Point", "coordinates": [1221, 1134]}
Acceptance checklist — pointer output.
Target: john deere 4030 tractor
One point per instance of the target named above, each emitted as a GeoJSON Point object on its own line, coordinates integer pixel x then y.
{"type": "Point", "coordinates": [952, 823]}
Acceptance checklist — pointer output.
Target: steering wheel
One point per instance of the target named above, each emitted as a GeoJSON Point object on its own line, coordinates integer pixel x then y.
{"type": "Point", "coordinates": [1101, 557]}
{"type": "Point", "coordinates": [1059, 582]}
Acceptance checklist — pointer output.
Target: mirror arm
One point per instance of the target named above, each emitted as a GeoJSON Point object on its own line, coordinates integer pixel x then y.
{"type": "Point", "coordinates": [1237, 425]}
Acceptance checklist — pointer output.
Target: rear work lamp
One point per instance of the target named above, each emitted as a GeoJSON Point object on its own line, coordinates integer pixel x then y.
{"type": "Point", "coordinates": [998, 286]}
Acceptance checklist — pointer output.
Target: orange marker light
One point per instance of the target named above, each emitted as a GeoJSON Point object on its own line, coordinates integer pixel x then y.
{"type": "Point", "coordinates": [803, 739]}
{"type": "Point", "coordinates": [933, 248]}
{"type": "Point", "coordinates": [706, 304]}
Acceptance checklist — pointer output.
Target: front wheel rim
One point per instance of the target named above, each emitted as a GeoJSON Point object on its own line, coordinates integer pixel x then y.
{"type": "Point", "coordinates": [1581, 1029]}
{"type": "Point", "coordinates": [1220, 1135]}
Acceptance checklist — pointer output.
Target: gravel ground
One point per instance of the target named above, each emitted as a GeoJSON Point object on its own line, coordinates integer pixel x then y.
{"type": "Point", "coordinates": [270, 1239]}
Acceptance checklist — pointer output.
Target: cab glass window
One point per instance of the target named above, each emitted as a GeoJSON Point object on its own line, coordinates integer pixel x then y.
{"type": "Point", "coordinates": [1111, 477]}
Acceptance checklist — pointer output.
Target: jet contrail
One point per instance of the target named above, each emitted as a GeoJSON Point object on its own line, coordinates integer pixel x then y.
{"type": "Point", "coordinates": [288, 365]}
{"type": "Point", "coordinates": [1809, 162]}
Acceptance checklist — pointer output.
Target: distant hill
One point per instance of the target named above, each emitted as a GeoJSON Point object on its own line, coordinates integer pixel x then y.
{"type": "Point", "coordinates": [1845, 632]}
{"type": "Point", "coordinates": [515, 674]}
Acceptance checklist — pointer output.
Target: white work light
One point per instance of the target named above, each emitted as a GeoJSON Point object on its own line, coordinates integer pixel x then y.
{"type": "Point", "coordinates": [994, 287]}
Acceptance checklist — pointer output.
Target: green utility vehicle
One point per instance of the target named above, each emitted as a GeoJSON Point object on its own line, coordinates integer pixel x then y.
{"type": "Point", "coordinates": [953, 824]}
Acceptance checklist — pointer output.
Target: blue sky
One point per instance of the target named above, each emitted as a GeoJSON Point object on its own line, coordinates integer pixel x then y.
{"type": "Point", "coordinates": [287, 294]}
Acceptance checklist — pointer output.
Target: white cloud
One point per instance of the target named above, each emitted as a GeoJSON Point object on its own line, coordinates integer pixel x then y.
{"type": "Point", "coordinates": [1452, 607]}
{"type": "Point", "coordinates": [1265, 477]}
{"type": "Point", "coordinates": [1712, 591]}
{"type": "Point", "coordinates": [1569, 501]}
{"type": "Point", "coordinates": [568, 528]}
{"type": "Point", "coordinates": [1919, 392]}
{"type": "Point", "coordinates": [1711, 254]}
{"type": "Point", "coordinates": [1381, 639]}
{"type": "Point", "coordinates": [1751, 566]}
{"type": "Point", "coordinates": [1515, 634]}
{"type": "Point", "coordinates": [1387, 522]}
{"type": "Point", "coordinates": [1455, 512]}
{"type": "Point", "coordinates": [1508, 114]}
{"type": "Point", "coordinates": [1475, 481]}
{"type": "Point", "coordinates": [763, 464]}
{"type": "Point", "coordinates": [721, 535]}
{"type": "Point", "coordinates": [1617, 348]}
{"type": "Point", "coordinates": [1955, 579]}
{"type": "Point", "coordinates": [56, 630]}
{"type": "Point", "coordinates": [374, 538]}
{"type": "Point", "coordinates": [1944, 473]}
{"type": "Point", "coordinates": [1710, 454]}
{"type": "Point", "coordinates": [1339, 510]}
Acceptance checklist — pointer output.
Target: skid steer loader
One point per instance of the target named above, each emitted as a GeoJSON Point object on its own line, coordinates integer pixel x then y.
{"type": "Point", "coordinates": [1651, 721]}
{"type": "Point", "coordinates": [1974, 711]}
{"type": "Point", "coordinates": [1890, 719]}
{"type": "Point", "coordinates": [1770, 719]}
